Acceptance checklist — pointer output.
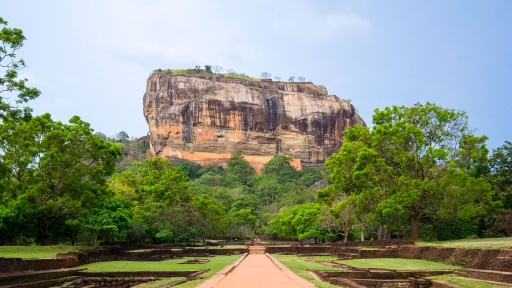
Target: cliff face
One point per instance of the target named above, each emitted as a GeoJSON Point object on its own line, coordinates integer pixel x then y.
{"type": "Point", "coordinates": [206, 119]}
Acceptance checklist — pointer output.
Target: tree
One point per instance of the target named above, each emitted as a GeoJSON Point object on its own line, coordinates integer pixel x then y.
{"type": "Point", "coordinates": [101, 135]}
{"type": "Point", "coordinates": [237, 165]}
{"type": "Point", "coordinates": [291, 79]}
{"type": "Point", "coordinates": [211, 217]}
{"type": "Point", "coordinates": [265, 75]}
{"type": "Point", "coordinates": [110, 222]}
{"type": "Point", "coordinates": [244, 219]}
{"type": "Point", "coordinates": [54, 170]}
{"type": "Point", "coordinates": [301, 79]}
{"type": "Point", "coordinates": [166, 197]}
{"type": "Point", "coordinates": [208, 68]}
{"type": "Point", "coordinates": [122, 136]}
{"type": "Point", "coordinates": [277, 78]}
{"type": "Point", "coordinates": [280, 166]}
{"type": "Point", "coordinates": [501, 173]}
{"type": "Point", "coordinates": [409, 162]}
{"type": "Point", "coordinates": [217, 69]}
{"type": "Point", "coordinates": [300, 221]}
{"type": "Point", "coordinates": [11, 40]}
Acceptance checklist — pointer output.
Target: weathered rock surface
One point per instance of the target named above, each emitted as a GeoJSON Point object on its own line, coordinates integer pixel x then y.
{"type": "Point", "coordinates": [206, 119]}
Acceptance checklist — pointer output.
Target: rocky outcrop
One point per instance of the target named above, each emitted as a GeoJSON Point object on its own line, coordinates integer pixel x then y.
{"type": "Point", "coordinates": [205, 119]}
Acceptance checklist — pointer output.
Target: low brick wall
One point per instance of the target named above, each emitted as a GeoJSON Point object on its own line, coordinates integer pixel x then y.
{"type": "Point", "coordinates": [381, 274]}
{"type": "Point", "coordinates": [485, 259]}
{"type": "Point", "coordinates": [14, 265]}
{"type": "Point", "coordinates": [128, 274]}
{"type": "Point", "coordinates": [16, 278]}
{"type": "Point", "coordinates": [117, 282]}
{"type": "Point", "coordinates": [499, 276]}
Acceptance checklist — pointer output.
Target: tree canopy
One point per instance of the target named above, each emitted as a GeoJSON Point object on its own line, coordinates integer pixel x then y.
{"type": "Point", "coordinates": [410, 163]}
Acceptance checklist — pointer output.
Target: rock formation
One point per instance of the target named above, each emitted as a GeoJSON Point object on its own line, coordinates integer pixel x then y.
{"type": "Point", "coordinates": [204, 119]}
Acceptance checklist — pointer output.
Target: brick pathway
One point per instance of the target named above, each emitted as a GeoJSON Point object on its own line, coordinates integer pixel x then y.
{"type": "Point", "coordinates": [258, 270]}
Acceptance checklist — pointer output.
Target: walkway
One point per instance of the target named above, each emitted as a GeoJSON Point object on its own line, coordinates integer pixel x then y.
{"type": "Point", "coordinates": [258, 270]}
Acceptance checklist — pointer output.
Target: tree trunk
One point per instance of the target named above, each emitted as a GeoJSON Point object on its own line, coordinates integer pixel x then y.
{"type": "Point", "coordinates": [415, 226]}
{"type": "Point", "coordinates": [204, 241]}
{"type": "Point", "coordinates": [379, 233]}
{"type": "Point", "coordinates": [433, 231]}
{"type": "Point", "coordinates": [362, 233]}
{"type": "Point", "coordinates": [43, 232]}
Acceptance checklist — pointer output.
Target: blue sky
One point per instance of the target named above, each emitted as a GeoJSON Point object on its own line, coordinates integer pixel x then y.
{"type": "Point", "coordinates": [92, 58]}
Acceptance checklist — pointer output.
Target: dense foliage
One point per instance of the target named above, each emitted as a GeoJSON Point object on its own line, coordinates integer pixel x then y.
{"type": "Point", "coordinates": [420, 172]}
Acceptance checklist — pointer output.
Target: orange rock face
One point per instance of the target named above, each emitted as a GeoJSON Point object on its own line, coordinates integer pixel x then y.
{"type": "Point", "coordinates": [205, 119]}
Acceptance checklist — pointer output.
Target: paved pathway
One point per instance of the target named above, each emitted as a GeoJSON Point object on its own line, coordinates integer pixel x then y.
{"type": "Point", "coordinates": [258, 270]}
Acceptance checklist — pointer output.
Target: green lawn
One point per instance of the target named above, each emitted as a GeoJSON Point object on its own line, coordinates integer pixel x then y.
{"type": "Point", "coordinates": [216, 263]}
{"type": "Point", "coordinates": [300, 267]}
{"type": "Point", "coordinates": [505, 242]}
{"type": "Point", "coordinates": [464, 283]}
{"type": "Point", "coordinates": [398, 264]}
{"type": "Point", "coordinates": [29, 252]}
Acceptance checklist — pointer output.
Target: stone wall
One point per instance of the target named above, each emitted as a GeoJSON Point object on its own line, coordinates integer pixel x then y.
{"type": "Point", "coordinates": [485, 259]}
{"type": "Point", "coordinates": [119, 282]}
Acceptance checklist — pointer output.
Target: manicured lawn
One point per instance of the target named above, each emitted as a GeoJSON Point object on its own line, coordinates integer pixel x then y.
{"type": "Point", "coordinates": [29, 252]}
{"type": "Point", "coordinates": [216, 263]}
{"type": "Point", "coordinates": [464, 283]}
{"type": "Point", "coordinates": [505, 242]}
{"type": "Point", "coordinates": [398, 264]}
{"type": "Point", "coordinates": [300, 267]}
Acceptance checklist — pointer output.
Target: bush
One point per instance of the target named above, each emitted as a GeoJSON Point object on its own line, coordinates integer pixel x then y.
{"type": "Point", "coordinates": [165, 236]}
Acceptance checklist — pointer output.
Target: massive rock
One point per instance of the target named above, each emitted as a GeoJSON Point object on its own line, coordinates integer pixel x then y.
{"type": "Point", "coordinates": [204, 119]}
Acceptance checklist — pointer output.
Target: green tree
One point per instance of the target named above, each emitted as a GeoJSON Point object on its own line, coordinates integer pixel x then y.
{"type": "Point", "coordinates": [300, 221]}
{"type": "Point", "coordinates": [166, 197]}
{"type": "Point", "coordinates": [412, 163]}
{"type": "Point", "coordinates": [238, 166]}
{"type": "Point", "coordinates": [501, 175]}
{"type": "Point", "coordinates": [122, 136]}
{"type": "Point", "coordinates": [110, 222]}
{"type": "Point", "coordinates": [211, 219]}
{"type": "Point", "coordinates": [280, 167]}
{"type": "Point", "coordinates": [208, 68]}
{"type": "Point", "coordinates": [54, 170]}
{"type": "Point", "coordinates": [11, 40]}
{"type": "Point", "coordinates": [245, 220]}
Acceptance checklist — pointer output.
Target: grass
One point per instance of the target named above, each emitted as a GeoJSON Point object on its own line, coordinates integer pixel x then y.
{"type": "Point", "coordinates": [215, 264]}
{"type": "Point", "coordinates": [301, 266]}
{"type": "Point", "coordinates": [31, 252]}
{"type": "Point", "coordinates": [202, 72]}
{"type": "Point", "coordinates": [505, 243]}
{"type": "Point", "coordinates": [397, 264]}
{"type": "Point", "coordinates": [465, 283]}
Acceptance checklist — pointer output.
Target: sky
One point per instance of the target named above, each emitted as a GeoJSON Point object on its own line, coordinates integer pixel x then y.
{"type": "Point", "coordinates": [92, 58]}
